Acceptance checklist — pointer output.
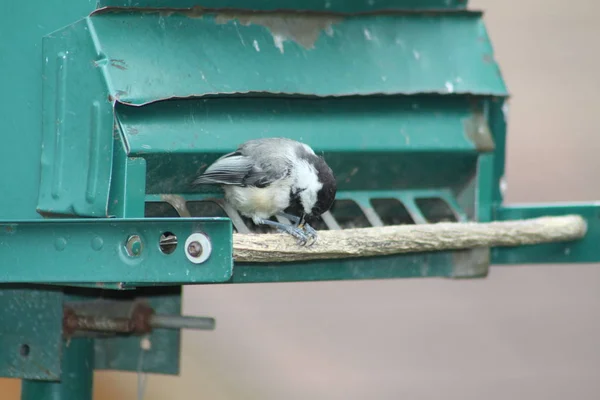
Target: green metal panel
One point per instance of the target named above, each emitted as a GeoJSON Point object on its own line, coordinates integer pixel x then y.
{"type": "Point", "coordinates": [62, 245]}
{"type": "Point", "coordinates": [21, 112]}
{"type": "Point", "coordinates": [469, 264]}
{"type": "Point", "coordinates": [346, 6]}
{"type": "Point", "coordinates": [581, 251]}
{"type": "Point", "coordinates": [345, 125]}
{"type": "Point", "coordinates": [77, 127]}
{"type": "Point", "coordinates": [30, 332]}
{"type": "Point", "coordinates": [395, 139]}
{"type": "Point", "coordinates": [313, 55]}
{"type": "Point", "coordinates": [76, 380]}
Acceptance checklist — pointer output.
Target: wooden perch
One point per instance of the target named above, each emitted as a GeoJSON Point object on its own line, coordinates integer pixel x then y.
{"type": "Point", "coordinates": [380, 241]}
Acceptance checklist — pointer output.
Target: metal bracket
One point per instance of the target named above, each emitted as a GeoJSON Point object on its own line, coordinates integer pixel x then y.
{"type": "Point", "coordinates": [99, 251]}
{"type": "Point", "coordinates": [581, 251]}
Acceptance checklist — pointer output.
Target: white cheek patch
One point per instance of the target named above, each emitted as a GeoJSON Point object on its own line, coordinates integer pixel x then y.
{"type": "Point", "coordinates": [306, 178]}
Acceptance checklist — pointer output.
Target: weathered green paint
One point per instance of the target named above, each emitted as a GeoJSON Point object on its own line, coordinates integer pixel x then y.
{"type": "Point", "coordinates": [585, 250]}
{"type": "Point", "coordinates": [30, 331]}
{"type": "Point", "coordinates": [60, 246]}
{"type": "Point", "coordinates": [346, 6]}
{"type": "Point", "coordinates": [395, 138]}
{"type": "Point", "coordinates": [345, 125]}
{"type": "Point", "coordinates": [445, 53]}
{"type": "Point", "coordinates": [77, 377]}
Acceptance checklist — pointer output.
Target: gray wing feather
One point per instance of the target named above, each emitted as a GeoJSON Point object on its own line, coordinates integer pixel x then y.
{"type": "Point", "coordinates": [230, 169]}
{"type": "Point", "coordinates": [240, 168]}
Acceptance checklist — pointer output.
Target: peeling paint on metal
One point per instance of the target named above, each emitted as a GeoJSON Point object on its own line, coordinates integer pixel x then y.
{"type": "Point", "coordinates": [279, 39]}
{"type": "Point", "coordinates": [478, 132]}
{"type": "Point", "coordinates": [450, 87]}
{"type": "Point", "coordinates": [301, 29]}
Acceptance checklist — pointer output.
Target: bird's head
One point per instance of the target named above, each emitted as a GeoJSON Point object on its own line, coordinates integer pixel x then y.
{"type": "Point", "coordinates": [318, 198]}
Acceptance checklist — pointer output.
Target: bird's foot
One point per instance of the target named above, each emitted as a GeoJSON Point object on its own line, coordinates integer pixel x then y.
{"type": "Point", "coordinates": [308, 230]}
{"type": "Point", "coordinates": [297, 232]}
{"type": "Point", "coordinates": [310, 233]}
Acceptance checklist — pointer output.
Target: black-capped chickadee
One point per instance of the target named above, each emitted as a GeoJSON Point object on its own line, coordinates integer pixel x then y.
{"type": "Point", "coordinates": [275, 176]}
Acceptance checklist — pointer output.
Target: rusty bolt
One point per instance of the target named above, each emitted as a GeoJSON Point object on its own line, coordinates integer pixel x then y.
{"type": "Point", "coordinates": [134, 246]}
{"type": "Point", "coordinates": [198, 248]}
{"type": "Point", "coordinates": [194, 249]}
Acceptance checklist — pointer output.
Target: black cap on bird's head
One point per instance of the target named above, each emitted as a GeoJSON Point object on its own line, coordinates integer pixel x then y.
{"type": "Point", "coordinates": [325, 196]}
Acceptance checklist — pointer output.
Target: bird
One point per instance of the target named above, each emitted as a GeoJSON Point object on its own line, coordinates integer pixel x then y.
{"type": "Point", "coordinates": [275, 176]}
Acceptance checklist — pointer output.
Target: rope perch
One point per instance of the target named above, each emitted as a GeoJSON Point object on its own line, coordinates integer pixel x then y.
{"type": "Point", "coordinates": [387, 240]}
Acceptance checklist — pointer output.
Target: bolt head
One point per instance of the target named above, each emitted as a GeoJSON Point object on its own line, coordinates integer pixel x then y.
{"type": "Point", "coordinates": [194, 249]}
{"type": "Point", "coordinates": [198, 248]}
{"type": "Point", "coordinates": [134, 246]}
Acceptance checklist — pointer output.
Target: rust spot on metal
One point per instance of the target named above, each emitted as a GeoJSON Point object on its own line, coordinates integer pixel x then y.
{"type": "Point", "coordinates": [140, 318]}
{"type": "Point", "coordinates": [110, 98]}
{"type": "Point", "coordinates": [69, 322]}
{"type": "Point", "coordinates": [137, 323]}
{"type": "Point", "coordinates": [303, 29]}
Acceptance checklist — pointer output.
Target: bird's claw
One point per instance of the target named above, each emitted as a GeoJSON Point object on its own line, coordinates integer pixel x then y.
{"type": "Point", "coordinates": [310, 233]}
{"type": "Point", "coordinates": [301, 231]}
{"type": "Point", "coordinates": [296, 232]}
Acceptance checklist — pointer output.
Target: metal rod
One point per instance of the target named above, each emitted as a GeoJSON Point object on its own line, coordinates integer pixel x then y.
{"type": "Point", "coordinates": [181, 322]}
{"type": "Point", "coordinates": [76, 378]}
{"type": "Point", "coordinates": [141, 321]}
{"type": "Point", "coordinates": [103, 324]}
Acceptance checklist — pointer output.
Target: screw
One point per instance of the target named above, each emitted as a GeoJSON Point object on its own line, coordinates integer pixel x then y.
{"type": "Point", "coordinates": [194, 249]}
{"type": "Point", "coordinates": [198, 248]}
{"type": "Point", "coordinates": [134, 246]}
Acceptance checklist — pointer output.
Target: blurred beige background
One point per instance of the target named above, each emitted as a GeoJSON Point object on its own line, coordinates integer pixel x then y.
{"type": "Point", "coordinates": [523, 333]}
